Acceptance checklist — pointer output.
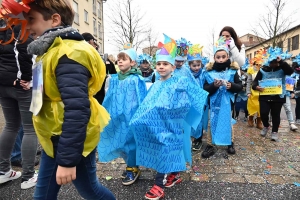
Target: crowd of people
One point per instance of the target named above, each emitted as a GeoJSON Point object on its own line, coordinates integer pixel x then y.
{"type": "Point", "coordinates": [56, 89]}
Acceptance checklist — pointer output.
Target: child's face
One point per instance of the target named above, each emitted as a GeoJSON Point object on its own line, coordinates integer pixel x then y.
{"type": "Point", "coordinates": [195, 66]}
{"type": "Point", "coordinates": [37, 25]}
{"type": "Point", "coordinates": [145, 65]}
{"type": "Point", "coordinates": [274, 64]}
{"type": "Point", "coordinates": [164, 69]}
{"type": "Point", "coordinates": [179, 63]}
{"type": "Point", "coordinates": [221, 56]}
{"type": "Point", "coordinates": [125, 64]}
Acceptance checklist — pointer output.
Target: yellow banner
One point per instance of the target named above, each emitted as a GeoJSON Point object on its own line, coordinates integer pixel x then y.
{"type": "Point", "coordinates": [271, 86]}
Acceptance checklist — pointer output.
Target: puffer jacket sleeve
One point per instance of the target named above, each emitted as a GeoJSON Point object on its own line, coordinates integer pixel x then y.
{"type": "Point", "coordinates": [238, 56]}
{"type": "Point", "coordinates": [72, 81]}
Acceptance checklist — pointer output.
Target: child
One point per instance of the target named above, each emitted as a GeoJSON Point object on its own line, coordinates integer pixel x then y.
{"type": "Point", "coordinates": [69, 121]}
{"type": "Point", "coordinates": [274, 68]}
{"type": "Point", "coordinates": [241, 98]}
{"type": "Point", "coordinates": [163, 122]}
{"type": "Point", "coordinates": [295, 75]}
{"type": "Point", "coordinates": [221, 81]}
{"type": "Point", "coordinates": [253, 103]}
{"type": "Point", "coordinates": [126, 92]}
{"type": "Point", "coordinates": [194, 59]}
{"type": "Point", "coordinates": [144, 61]}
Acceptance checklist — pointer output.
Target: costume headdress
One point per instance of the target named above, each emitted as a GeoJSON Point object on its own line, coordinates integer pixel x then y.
{"type": "Point", "coordinates": [194, 52]}
{"type": "Point", "coordinates": [221, 44]}
{"type": "Point", "coordinates": [275, 52]}
{"type": "Point", "coordinates": [259, 57]}
{"type": "Point", "coordinates": [297, 59]}
{"type": "Point", "coordinates": [131, 53]}
{"type": "Point", "coordinates": [11, 13]}
{"type": "Point", "coordinates": [143, 57]}
{"type": "Point", "coordinates": [167, 51]}
{"type": "Point", "coordinates": [182, 49]}
{"type": "Point", "coordinates": [246, 65]}
{"type": "Point", "coordinates": [204, 61]}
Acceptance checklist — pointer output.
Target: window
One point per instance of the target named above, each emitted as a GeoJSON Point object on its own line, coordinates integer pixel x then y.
{"type": "Point", "coordinates": [94, 7]}
{"type": "Point", "coordinates": [295, 42]}
{"type": "Point", "coordinates": [75, 8]}
{"type": "Point", "coordinates": [86, 16]}
{"type": "Point", "coordinates": [95, 26]}
{"type": "Point", "coordinates": [99, 31]}
{"type": "Point", "coordinates": [289, 45]}
{"type": "Point", "coordinates": [99, 10]}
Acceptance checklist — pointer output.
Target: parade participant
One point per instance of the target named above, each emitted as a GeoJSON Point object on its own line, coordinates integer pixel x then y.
{"type": "Point", "coordinates": [236, 48]}
{"type": "Point", "coordinates": [15, 97]}
{"type": "Point", "coordinates": [241, 98]}
{"type": "Point", "coordinates": [295, 75]}
{"type": "Point", "coordinates": [67, 118]}
{"type": "Point", "coordinates": [163, 122]}
{"type": "Point", "coordinates": [126, 91]}
{"type": "Point", "coordinates": [195, 59]}
{"type": "Point", "coordinates": [274, 70]}
{"type": "Point", "coordinates": [144, 62]}
{"type": "Point", "coordinates": [221, 81]}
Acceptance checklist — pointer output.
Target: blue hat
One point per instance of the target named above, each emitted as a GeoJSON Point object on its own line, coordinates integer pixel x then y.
{"type": "Point", "coordinates": [246, 65]}
{"type": "Point", "coordinates": [221, 44]}
{"type": "Point", "coordinates": [182, 49]}
{"type": "Point", "coordinates": [143, 57]}
{"type": "Point", "coordinates": [275, 52]}
{"type": "Point", "coordinates": [131, 53]}
{"type": "Point", "coordinates": [167, 50]}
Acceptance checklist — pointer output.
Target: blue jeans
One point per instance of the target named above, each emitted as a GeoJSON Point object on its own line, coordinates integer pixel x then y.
{"type": "Point", "coordinates": [86, 183]}
{"type": "Point", "coordinates": [16, 153]}
{"type": "Point", "coordinates": [288, 110]}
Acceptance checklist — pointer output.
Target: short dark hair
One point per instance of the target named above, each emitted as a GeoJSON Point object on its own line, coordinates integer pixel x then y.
{"type": "Point", "coordinates": [87, 36]}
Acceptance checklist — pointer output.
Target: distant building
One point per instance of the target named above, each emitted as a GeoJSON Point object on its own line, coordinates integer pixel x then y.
{"type": "Point", "coordinates": [250, 40]}
{"type": "Point", "coordinates": [150, 50]}
{"type": "Point", "coordinates": [89, 18]}
{"type": "Point", "coordinates": [288, 41]}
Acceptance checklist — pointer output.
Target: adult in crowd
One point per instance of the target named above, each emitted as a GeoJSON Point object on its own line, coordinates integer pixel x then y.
{"type": "Point", "coordinates": [15, 99]}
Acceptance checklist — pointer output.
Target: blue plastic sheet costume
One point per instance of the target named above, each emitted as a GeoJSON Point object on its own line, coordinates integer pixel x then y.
{"type": "Point", "coordinates": [220, 107]}
{"type": "Point", "coordinates": [163, 122]}
{"type": "Point", "coordinates": [121, 101]}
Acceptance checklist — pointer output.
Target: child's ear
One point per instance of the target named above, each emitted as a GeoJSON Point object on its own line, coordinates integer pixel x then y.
{"type": "Point", "coordinates": [132, 63]}
{"type": "Point", "coordinates": [56, 20]}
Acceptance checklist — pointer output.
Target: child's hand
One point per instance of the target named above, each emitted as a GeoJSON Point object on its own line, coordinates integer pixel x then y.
{"type": "Point", "coordinates": [259, 88]}
{"type": "Point", "coordinates": [217, 83]}
{"type": "Point", "coordinates": [278, 59]}
{"type": "Point", "coordinates": [228, 85]}
{"type": "Point", "coordinates": [25, 84]}
{"type": "Point", "coordinates": [65, 175]}
{"type": "Point", "coordinates": [249, 95]}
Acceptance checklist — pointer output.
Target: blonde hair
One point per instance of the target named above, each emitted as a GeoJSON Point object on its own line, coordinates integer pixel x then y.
{"type": "Point", "coordinates": [49, 7]}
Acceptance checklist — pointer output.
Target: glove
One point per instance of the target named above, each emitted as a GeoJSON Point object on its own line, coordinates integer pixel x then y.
{"type": "Point", "coordinates": [231, 44]}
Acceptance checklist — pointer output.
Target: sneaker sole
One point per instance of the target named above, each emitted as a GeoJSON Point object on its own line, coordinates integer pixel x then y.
{"type": "Point", "coordinates": [197, 149]}
{"type": "Point", "coordinates": [4, 180]}
{"type": "Point", "coordinates": [131, 182]}
{"type": "Point", "coordinates": [27, 186]}
{"type": "Point", "coordinates": [157, 198]}
{"type": "Point", "coordinates": [176, 182]}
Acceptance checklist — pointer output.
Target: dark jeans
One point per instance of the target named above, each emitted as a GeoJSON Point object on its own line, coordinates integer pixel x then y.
{"type": "Point", "coordinates": [16, 153]}
{"type": "Point", "coordinates": [15, 104]}
{"type": "Point", "coordinates": [297, 108]}
{"type": "Point", "coordinates": [275, 108]}
{"type": "Point", "coordinates": [86, 182]}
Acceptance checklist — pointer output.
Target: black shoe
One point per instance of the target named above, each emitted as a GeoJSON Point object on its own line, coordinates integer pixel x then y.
{"type": "Point", "coordinates": [132, 174]}
{"type": "Point", "coordinates": [208, 152]}
{"type": "Point", "coordinates": [18, 163]}
{"type": "Point", "coordinates": [124, 174]}
{"type": "Point", "coordinates": [197, 146]}
{"type": "Point", "coordinates": [231, 149]}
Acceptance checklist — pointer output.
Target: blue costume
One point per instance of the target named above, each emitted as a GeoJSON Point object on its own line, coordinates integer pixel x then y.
{"type": "Point", "coordinates": [121, 101]}
{"type": "Point", "coordinates": [163, 122]}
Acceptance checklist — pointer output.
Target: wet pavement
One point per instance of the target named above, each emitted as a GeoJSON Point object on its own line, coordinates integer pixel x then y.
{"type": "Point", "coordinates": [261, 169]}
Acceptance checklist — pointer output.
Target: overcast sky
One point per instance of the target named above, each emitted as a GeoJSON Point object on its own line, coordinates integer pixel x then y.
{"type": "Point", "coordinates": [193, 19]}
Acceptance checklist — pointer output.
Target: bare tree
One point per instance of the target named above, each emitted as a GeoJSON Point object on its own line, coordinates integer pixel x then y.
{"type": "Point", "coordinates": [126, 24]}
{"type": "Point", "coordinates": [274, 23]}
{"type": "Point", "coordinates": [209, 48]}
{"type": "Point", "coordinates": [151, 42]}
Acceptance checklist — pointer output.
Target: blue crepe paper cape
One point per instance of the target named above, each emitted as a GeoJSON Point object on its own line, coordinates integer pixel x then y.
{"type": "Point", "coordinates": [163, 122]}
{"type": "Point", "coordinates": [220, 108]}
{"type": "Point", "coordinates": [121, 101]}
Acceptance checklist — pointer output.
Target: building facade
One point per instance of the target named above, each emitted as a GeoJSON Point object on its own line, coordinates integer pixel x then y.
{"type": "Point", "coordinates": [288, 41]}
{"type": "Point", "coordinates": [89, 18]}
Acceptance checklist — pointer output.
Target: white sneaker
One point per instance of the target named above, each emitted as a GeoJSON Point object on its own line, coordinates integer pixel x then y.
{"type": "Point", "coordinates": [10, 175]}
{"type": "Point", "coordinates": [293, 127]}
{"type": "Point", "coordinates": [274, 136]}
{"type": "Point", "coordinates": [298, 121]}
{"type": "Point", "coordinates": [30, 183]}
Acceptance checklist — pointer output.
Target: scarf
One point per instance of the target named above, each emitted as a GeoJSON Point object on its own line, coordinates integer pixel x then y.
{"type": "Point", "coordinates": [131, 71]}
{"type": "Point", "coordinates": [197, 74]}
{"type": "Point", "coordinates": [221, 66]}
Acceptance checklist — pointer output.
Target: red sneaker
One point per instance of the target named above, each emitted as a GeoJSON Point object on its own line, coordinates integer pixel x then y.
{"type": "Point", "coordinates": [155, 193]}
{"type": "Point", "coordinates": [173, 179]}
